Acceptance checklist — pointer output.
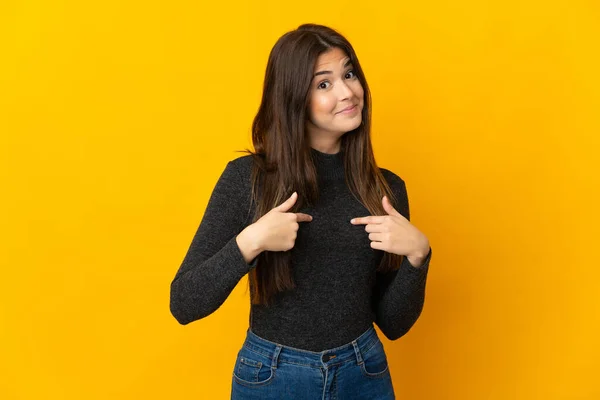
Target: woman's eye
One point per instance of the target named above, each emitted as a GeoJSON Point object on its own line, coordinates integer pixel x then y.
{"type": "Point", "coordinates": [323, 85]}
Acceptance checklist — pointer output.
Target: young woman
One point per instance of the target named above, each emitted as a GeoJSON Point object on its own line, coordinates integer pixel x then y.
{"type": "Point", "coordinates": [322, 232]}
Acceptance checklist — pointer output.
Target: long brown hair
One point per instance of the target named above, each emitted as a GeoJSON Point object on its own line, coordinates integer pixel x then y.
{"type": "Point", "coordinates": [283, 162]}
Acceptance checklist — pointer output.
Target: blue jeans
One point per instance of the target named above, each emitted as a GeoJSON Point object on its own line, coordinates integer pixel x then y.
{"type": "Point", "coordinates": [357, 370]}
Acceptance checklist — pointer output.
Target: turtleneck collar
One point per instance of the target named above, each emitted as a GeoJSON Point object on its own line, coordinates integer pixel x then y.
{"type": "Point", "coordinates": [329, 166]}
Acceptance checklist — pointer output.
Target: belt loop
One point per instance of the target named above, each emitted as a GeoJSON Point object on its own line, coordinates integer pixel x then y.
{"type": "Point", "coordinates": [357, 351]}
{"type": "Point", "coordinates": [276, 356]}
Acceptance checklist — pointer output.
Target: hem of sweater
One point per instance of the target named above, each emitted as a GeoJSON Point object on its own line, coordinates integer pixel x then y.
{"type": "Point", "coordinates": [315, 347]}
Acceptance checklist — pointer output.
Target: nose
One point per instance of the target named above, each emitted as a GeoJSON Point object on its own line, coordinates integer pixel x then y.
{"type": "Point", "coordinates": [344, 91]}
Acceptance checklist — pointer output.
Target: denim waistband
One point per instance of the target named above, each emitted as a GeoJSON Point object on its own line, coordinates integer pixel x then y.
{"type": "Point", "coordinates": [281, 353]}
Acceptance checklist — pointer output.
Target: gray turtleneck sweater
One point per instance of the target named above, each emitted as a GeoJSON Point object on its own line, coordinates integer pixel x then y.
{"type": "Point", "coordinates": [338, 294]}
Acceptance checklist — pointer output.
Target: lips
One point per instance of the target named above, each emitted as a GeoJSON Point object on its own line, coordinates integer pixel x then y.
{"type": "Point", "coordinates": [347, 108]}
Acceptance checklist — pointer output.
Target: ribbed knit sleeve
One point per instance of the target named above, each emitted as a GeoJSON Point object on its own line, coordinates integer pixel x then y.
{"type": "Point", "coordinates": [400, 294]}
{"type": "Point", "coordinates": [213, 264]}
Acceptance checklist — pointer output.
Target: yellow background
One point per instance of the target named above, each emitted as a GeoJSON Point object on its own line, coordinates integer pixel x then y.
{"type": "Point", "coordinates": [117, 118]}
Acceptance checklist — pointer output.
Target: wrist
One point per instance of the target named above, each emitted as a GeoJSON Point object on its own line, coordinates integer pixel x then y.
{"type": "Point", "coordinates": [253, 238]}
{"type": "Point", "coordinates": [415, 262]}
{"type": "Point", "coordinates": [249, 243]}
{"type": "Point", "coordinates": [418, 256]}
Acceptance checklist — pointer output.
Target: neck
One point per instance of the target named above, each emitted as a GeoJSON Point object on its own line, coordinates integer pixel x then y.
{"type": "Point", "coordinates": [325, 143]}
{"type": "Point", "coordinates": [328, 149]}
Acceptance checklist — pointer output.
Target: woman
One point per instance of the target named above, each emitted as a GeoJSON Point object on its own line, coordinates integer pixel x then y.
{"type": "Point", "coordinates": [314, 223]}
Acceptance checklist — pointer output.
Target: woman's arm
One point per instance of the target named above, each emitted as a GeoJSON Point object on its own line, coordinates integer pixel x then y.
{"type": "Point", "coordinates": [399, 295]}
{"type": "Point", "coordinates": [214, 262]}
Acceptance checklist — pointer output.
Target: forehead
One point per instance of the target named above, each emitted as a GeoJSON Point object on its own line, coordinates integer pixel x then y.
{"type": "Point", "coordinates": [331, 59]}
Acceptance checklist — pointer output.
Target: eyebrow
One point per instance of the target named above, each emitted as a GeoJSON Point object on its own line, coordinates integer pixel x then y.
{"type": "Point", "coordinates": [330, 72]}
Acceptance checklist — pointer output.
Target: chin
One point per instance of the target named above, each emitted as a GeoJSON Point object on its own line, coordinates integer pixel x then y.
{"type": "Point", "coordinates": [350, 126]}
{"type": "Point", "coordinates": [341, 127]}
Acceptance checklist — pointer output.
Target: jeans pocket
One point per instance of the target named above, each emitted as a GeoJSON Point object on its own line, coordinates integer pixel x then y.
{"type": "Point", "coordinates": [374, 363]}
{"type": "Point", "coordinates": [252, 369]}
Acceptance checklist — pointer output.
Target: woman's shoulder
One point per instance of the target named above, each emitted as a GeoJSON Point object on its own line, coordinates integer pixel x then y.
{"type": "Point", "coordinates": [243, 165]}
{"type": "Point", "coordinates": [391, 177]}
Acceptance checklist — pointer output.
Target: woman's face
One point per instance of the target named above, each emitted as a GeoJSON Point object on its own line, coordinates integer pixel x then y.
{"type": "Point", "coordinates": [334, 88]}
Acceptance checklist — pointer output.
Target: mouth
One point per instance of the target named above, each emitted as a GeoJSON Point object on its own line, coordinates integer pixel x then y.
{"type": "Point", "coordinates": [348, 109]}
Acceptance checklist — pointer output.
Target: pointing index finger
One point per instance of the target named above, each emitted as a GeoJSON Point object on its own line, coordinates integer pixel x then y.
{"type": "Point", "coordinates": [372, 219]}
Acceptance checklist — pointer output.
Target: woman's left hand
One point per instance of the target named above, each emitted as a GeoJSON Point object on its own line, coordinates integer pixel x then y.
{"type": "Point", "coordinates": [395, 234]}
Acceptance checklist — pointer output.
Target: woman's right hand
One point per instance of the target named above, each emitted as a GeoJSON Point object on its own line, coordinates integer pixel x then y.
{"type": "Point", "coordinates": [277, 229]}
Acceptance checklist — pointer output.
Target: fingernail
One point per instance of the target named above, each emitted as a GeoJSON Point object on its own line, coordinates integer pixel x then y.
{"type": "Point", "coordinates": [352, 221]}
